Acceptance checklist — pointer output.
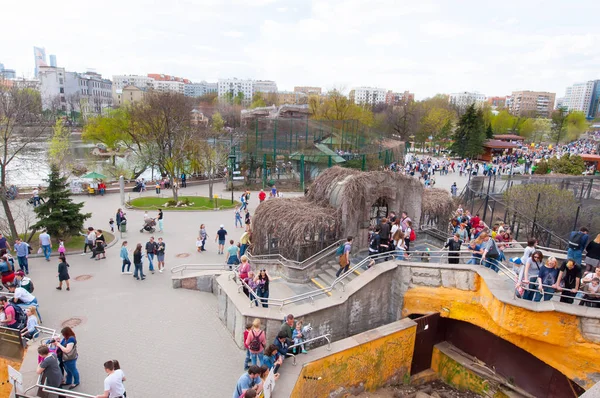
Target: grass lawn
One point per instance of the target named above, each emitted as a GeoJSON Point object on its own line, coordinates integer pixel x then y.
{"type": "Point", "coordinates": [75, 243]}
{"type": "Point", "coordinates": [199, 203]}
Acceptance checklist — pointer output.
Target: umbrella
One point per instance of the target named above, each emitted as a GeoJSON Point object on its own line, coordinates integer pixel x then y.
{"type": "Point", "coordinates": [94, 175]}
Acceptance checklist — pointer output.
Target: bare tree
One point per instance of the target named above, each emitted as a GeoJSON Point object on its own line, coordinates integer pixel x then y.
{"type": "Point", "coordinates": [163, 130]}
{"type": "Point", "coordinates": [209, 156]}
{"type": "Point", "coordinates": [21, 123]}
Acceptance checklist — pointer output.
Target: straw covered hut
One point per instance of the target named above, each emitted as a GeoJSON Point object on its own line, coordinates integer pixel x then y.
{"type": "Point", "coordinates": [437, 207]}
{"type": "Point", "coordinates": [341, 202]}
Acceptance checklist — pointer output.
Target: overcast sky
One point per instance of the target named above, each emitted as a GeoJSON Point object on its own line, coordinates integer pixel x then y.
{"type": "Point", "coordinates": [425, 46]}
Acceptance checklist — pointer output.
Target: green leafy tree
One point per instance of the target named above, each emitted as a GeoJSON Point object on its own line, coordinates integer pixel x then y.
{"type": "Point", "coordinates": [111, 129]}
{"type": "Point", "coordinates": [337, 106]}
{"type": "Point", "coordinates": [59, 215]}
{"type": "Point", "coordinates": [527, 128]}
{"type": "Point", "coordinates": [559, 120]}
{"type": "Point", "coordinates": [567, 164]}
{"type": "Point", "coordinates": [489, 132]}
{"type": "Point", "coordinates": [59, 151]}
{"type": "Point", "coordinates": [258, 100]}
{"type": "Point", "coordinates": [470, 134]}
{"type": "Point", "coordinates": [218, 124]}
{"type": "Point", "coordinates": [576, 124]}
{"type": "Point", "coordinates": [503, 122]}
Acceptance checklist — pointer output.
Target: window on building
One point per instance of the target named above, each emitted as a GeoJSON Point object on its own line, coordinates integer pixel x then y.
{"type": "Point", "coordinates": [62, 90]}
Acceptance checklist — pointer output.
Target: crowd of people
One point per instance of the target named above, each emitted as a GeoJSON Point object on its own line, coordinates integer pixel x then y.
{"type": "Point", "coordinates": [262, 358]}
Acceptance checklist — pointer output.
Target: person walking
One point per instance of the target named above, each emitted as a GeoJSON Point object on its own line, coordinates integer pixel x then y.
{"type": "Point", "coordinates": [453, 244]}
{"type": "Point", "coordinates": [245, 242]}
{"type": "Point", "coordinates": [68, 349]}
{"type": "Point", "coordinates": [247, 220]}
{"type": "Point", "coordinates": [262, 287]}
{"type": "Point", "coordinates": [570, 273]}
{"type": "Point", "coordinates": [221, 235]}
{"type": "Point", "coordinates": [233, 253]}
{"type": "Point", "coordinates": [344, 261]}
{"type": "Point", "coordinates": [238, 217]}
{"type": "Point", "coordinates": [151, 248]}
{"type": "Point", "coordinates": [137, 262]}
{"type": "Point", "coordinates": [36, 197]}
{"type": "Point", "coordinates": [119, 218]}
{"type": "Point", "coordinates": [160, 220]}
{"type": "Point", "coordinates": [63, 273]}
{"type": "Point", "coordinates": [99, 252]}
{"type": "Point", "coordinates": [22, 250]}
{"type": "Point", "coordinates": [262, 196]}
{"type": "Point", "coordinates": [160, 254]}
{"type": "Point", "coordinates": [203, 237]}
{"type": "Point", "coordinates": [183, 180]}
{"type": "Point", "coordinates": [125, 258]}
{"type": "Point", "coordinates": [91, 241]}
{"type": "Point", "coordinates": [46, 244]}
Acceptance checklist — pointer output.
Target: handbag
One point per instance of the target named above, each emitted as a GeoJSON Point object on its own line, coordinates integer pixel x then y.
{"type": "Point", "coordinates": [39, 251]}
{"type": "Point", "coordinates": [71, 355]}
{"type": "Point", "coordinates": [342, 261]}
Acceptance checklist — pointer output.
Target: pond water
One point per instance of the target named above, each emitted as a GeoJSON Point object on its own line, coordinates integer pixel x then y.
{"type": "Point", "coordinates": [31, 167]}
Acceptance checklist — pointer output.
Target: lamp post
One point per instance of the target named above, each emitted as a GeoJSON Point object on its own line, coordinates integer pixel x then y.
{"type": "Point", "coordinates": [231, 168]}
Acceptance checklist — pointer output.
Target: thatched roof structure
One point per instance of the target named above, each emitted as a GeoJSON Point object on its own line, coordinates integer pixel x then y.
{"type": "Point", "coordinates": [437, 206]}
{"type": "Point", "coordinates": [293, 223]}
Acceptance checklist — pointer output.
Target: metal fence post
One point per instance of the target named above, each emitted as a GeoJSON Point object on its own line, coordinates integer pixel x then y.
{"type": "Point", "coordinates": [576, 218]}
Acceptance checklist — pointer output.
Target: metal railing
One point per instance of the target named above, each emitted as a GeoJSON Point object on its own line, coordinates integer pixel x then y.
{"type": "Point", "coordinates": [325, 336]}
{"type": "Point", "coordinates": [300, 265]}
{"type": "Point", "coordinates": [58, 391]}
{"type": "Point", "coordinates": [255, 299]}
{"type": "Point", "coordinates": [201, 267]}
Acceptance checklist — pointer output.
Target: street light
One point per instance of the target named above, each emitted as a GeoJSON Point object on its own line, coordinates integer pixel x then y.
{"type": "Point", "coordinates": [231, 167]}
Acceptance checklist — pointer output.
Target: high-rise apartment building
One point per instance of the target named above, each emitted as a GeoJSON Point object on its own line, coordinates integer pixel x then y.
{"type": "Point", "coordinates": [39, 55]}
{"type": "Point", "coordinates": [308, 90]}
{"type": "Point", "coordinates": [199, 89]}
{"type": "Point", "coordinates": [235, 86]}
{"type": "Point", "coordinates": [7, 73]}
{"type": "Point", "coordinates": [265, 86]}
{"type": "Point", "coordinates": [466, 99]}
{"type": "Point", "coordinates": [368, 95]}
{"type": "Point", "coordinates": [532, 103]}
{"type": "Point", "coordinates": [140, 81]}
{"type": "Point", "coordinates": [583, 97]}
{"type": "Point", "coordinates": [167, 83]}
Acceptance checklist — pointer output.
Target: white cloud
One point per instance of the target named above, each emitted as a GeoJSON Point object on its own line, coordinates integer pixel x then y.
{"type": "Point", "coordinates": [444, 30]}
{"type": "Point", "coordinates": [233, 33]}
{"type": "Point", "coordinates": [282, 9]}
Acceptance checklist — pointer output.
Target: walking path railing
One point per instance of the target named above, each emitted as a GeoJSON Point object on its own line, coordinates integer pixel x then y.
{"type": "Point", "coordinates": [200, 267]}
{"type": "Point", "coordinates": [301, 265]}
{"type": "Point", "coordinates": [323, 337]}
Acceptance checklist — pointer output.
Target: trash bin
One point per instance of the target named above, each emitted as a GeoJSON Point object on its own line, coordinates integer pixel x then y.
{"type": "Point", "coordinates": [124, 226]}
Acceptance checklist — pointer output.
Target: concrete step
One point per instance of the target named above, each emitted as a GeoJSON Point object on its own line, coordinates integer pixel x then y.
{"type": "Point", "coordinates": [327, 278]}
{"type": "Point", "coordinates": [320, 283]}
{"type": "Point", "coordinates": [330, 271]}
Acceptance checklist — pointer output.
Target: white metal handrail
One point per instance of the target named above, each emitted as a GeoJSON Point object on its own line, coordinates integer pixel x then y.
{"type": "Point", "coordinates": [325, 336]}
{"type": "Point", "coordinates": [300, 265]}
{"type": "Point", "coordinates": [201, 267]}
{"type": "Point", "coordinates": [255, 299]}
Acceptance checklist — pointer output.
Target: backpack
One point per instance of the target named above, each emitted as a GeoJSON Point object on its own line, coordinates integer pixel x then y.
{"type": "Point", "coordinates": [20, 316]}
{"type": "Point", "coordinates": [413, 235]}
{"type": "Point", "coordinates": [493, 252]}
{"type": "Point", "coordinates": [340, 250]}
{"type": "Point", "coordinates": [575, 241]}
{"type": "Point", "coordinates": [255, 344]}
{"type": "Point", "coordinates": [29, 287]}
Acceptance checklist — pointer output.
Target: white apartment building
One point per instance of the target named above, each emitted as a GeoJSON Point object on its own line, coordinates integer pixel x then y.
{"type": "Point", "coordinates": [368, 95]}
{"type": "Point", "coordinates": [87, 93]}
{"type": "Point", "coordinates": [265, 86]}
{"type": "Point", "coordinates": [142, 82]}
{"type": "Point", "coordinates": [235, 86]}
{"type": "Point", "coordinates": [464, 99]}
{"type": "Point", "coordinates": [165, 86]}
{"type": "Point", "coordinates": [199, 89]}
{"type": "Point", "coordinates": [581, 97]}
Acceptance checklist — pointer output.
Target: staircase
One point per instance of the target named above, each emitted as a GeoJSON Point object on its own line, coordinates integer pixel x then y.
{"type": "Point", "coordinates": [327, 275]}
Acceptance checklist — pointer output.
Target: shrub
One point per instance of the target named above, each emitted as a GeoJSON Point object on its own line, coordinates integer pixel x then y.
{"type": "Point", "coordinates": [567, 164]}
{"type": "Point", "coordinates": [542, 168]}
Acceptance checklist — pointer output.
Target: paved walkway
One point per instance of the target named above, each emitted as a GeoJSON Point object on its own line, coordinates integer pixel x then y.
{"type": "Point", "coordinates": [168, 341]}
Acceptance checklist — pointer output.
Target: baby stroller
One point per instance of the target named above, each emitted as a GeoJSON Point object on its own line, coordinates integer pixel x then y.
{"type": "Point", "coordinates": [148, 225]}
{"type": "Point", "coordinates": [138, 187]}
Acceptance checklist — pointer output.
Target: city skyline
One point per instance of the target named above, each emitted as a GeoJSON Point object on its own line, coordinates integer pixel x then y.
{"type": "Point", "coordinates": [427, 47]}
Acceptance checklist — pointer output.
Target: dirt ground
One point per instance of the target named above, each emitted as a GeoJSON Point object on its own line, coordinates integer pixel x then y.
{"type": "Point", "coordinates": [435, 389]}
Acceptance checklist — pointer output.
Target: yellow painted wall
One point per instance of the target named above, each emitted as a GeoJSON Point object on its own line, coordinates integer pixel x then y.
{"type": "Point", "coordinates": [374, 363]}
{"type": "Point", "coordinates": [553, 337]}
{"type": "Point", "coordinates": [6, 388]}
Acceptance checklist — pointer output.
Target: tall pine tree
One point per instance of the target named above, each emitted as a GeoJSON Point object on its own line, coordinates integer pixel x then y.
{"type": "Point", "coordinates": [470, 134]}
{"type": "Point", "coordinates": [59, 215]}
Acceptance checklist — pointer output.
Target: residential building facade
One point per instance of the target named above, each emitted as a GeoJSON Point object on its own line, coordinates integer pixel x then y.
{"type": "Point", "coordinates": [234, 87]}
{"type": "Point", "coordinates": [265, 86]}
{"type": "Point", "coordinates": [583, 97]}
{"type": "Point", "coordinates": [532, 103]}
{"type": "Point", "coordinates": [140, 81]}
{"type": "Point", "coordinates": [127, 95]}
{"type": "Point", "coordinates": [7, 73]}
{"type": "Point", "coordinates": [497, 102]}
{"type": "Point", "coordinates": [292, 98]}
{"type": "Point", "coordinates": [308, 90]}
{"type": "Point", "coordinates": [199, 89]}
{"type": "Point", "coordinates": [394, 99]}
{"type": "Point", "coordinates": [87, 93]}
{"type": "Point", "coordinates": [368, 95]}
{"type": "Point", "coordinates": [466, 98]}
